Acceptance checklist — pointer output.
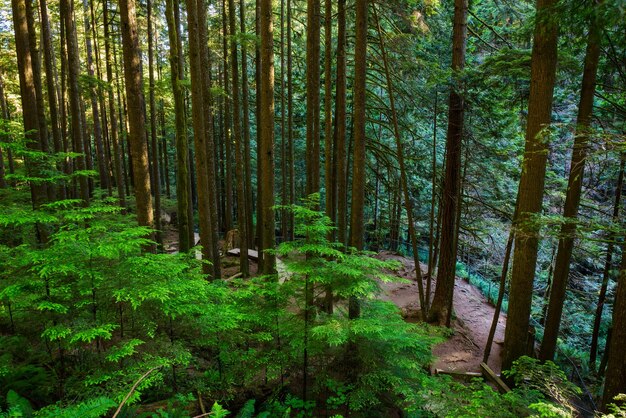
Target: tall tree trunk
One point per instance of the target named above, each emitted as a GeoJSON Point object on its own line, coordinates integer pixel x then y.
{"type": "Point", "coordinates": [63, 106]}
{"type": "Point", "coordinates": [183, 185]}
{"type": "Point", "coordinates": [209, 146]}
{"type": "Point", "coordinates": [329, 167]}
{"type": "Point", "coordinates": [440, 311]}
{"type": "Point", "coordinates": [136, 122]}
{"type": "Point", "coordinates": [284, 192]}
{"type": "Point", "coordinates": [313, 97]}
{"type": "Point", "coordinates": [242, 221]}
{"type": "Point", "coordinates": [102, 100]}
{"type": "Point", "coordinates": [73, 64]}
{"type": "Point", "coordinates": [542, 78]}
{"type": "Point", "coordinates": [340, 125]}
{"type": "Point", "coordinates": [50, 82]}
{"type": "Point", "coordinates": [357, 221]}
{"type": "Point", "coordinates": [608, 264]}
{"type": "Point", "coordinates": [196, 13]}
{"type": "Point", "coordinates": [259, 184]}
{"type": "Point", "coordinates": [572, 198]}
{"type": "Point", "coordinates": [433, 203]}
{"type": "Point", "coordinates": [228, 147]}
{"type": "Point", "coordinates": [246, 127]}
{"type": "Point", "coordinates": [28, 99]}
{"type": "Point", "coordinates": [290, 147]}
{"type": "Point", "coordinates": [266, 126]}
{"type": "Point", "coordinates": [5, 136]}
{"type": "Point", "coordinates": [93, 95]}
{"type": "Point", "coordinates": [153, 131]}
{"type": "Point", "coordinates": [615, 381]}
{"type": "Point", "coordinates": [117, 150]}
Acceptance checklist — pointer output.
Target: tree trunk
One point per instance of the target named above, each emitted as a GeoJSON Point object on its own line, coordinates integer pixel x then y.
{"type": "Point", "coordinates": [209, 146]}
{"type": "Point", "coordinates": [153, 131]}
{"type": "Point", "coordinates": [329, 167]}
{"type": "Point", "coordinates": [242, 220]}
{"type": "Point", "coordinates": [136, 122]}
{"type": "Point", "coordinates": [572, 198]}
{"type": "Point", "coordinates": [93, 95]}
{"type": "Point", "coordinates": [284, 193]}
{"type": "Point", "coordinates": [290, 145]}
{"type": "Point", "coordinates": [615, 381]}
{"type": "Point", "coordinates": [246, 127]}
{"type": "Point", "coordinates": [608, 262]}
{"type": "Point", "coordinates": [200, 140]}
{"type": "Point", "coordinates": [53, 100]}
{"type": "Point", "coordinates": [313, 97]}
{"type": "Point", "coordinates": [28, 97]}
{"type": "Point", "coordinates": [440, 310]}
{"type": "Point", "coordinates": [357, 220]}
{"type": "Point", "coordinates": [117, 151]}
{"type": "Point", "coordinates": [73, 64]}
{"type": "Point", "coordinates": [433, 203]}
{"type": "Point", "coordinates": [42, 130]}
{"type": "Point", "coordinates": [183, 185]}
{"type": "Point", "coordinates": [340, 125]}
{"type": "Point", "coordinates": [543, 72]}
{"type": "Point", "coordinates": [266, 144]}
{"type": "Point", "coordinates": [228, 183]}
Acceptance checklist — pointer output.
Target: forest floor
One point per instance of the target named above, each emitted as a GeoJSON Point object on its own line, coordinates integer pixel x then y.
{"type": "Point", "coordinates": [472, 314]}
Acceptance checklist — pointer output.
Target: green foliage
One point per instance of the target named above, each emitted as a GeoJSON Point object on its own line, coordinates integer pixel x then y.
{"type": "Point", "coordinates": [448, 398]}
{"type": "Point", "coordinates": [548, 379]}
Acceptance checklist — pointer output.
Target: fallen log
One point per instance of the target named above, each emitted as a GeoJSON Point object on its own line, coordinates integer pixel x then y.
{"type": "Point", "coordinates": [491, 376]}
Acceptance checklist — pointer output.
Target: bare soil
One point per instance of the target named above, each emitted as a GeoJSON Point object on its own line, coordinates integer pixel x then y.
{"type": "Point", "coordinates": [472, 316]}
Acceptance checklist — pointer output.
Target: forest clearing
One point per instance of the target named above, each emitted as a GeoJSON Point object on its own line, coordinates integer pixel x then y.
{"type": "Point", "coordinates": [312, 208]}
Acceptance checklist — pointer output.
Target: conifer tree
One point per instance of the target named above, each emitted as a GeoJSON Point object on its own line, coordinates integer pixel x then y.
{"type": "Point", "coordinates": [530, 195]}
{"type": "Point", "coordinates": [136, 121]}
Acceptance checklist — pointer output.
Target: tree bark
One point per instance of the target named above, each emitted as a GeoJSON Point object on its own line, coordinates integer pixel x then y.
{"type": "Point", "coordinates": [266, 126]}
{"type": "Point", "coordinates": [93, 95]}
{"type": "Point", "coordinates": [154, 148]}
{"type": "Point", "coordinates": [28, 97]}
{"type": "Point", "coordinates": [615, 381]}
{"type": "Point", "coordinates": [242, 221]}
{"type": "Point", "coordinates": [440, 310]}
{"type": "Point", "coordinates": [183, 185]}
{"type": "Point", "coordinates": [228, 183]}
{"type": "Point", "coordinates": [209, 146]}
{"type": "Point", "coordinates": [572, 198]}
{"type": "Point", "coordinates": [542, 78]}
{"type": "Point", "coordinates": [313, 97]}
{"type": "Point", "coordinates": [357, 220]}
{"type": "Point", "coordinates": [246, 127]}
{"type": "Point", "coordinates": [290, 143]}
{"type": "Point", "coordinates": [53, 100]}
{"type": "Point", "coordinates": [117, 150]}
{"type": "Point", "coordinates": [136, 122]}
{"type": "Point", "coordinates": [329, 166]}
{"type": "Point", "coordinates": [73, 66]}
{"type": "Point", "coordinates": [340, 125]}
{"type": "Point", "coordinates": [608, 263]}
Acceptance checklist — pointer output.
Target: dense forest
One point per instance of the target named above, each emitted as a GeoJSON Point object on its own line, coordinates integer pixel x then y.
{"type": "Point", "coordinates": [350, 208]}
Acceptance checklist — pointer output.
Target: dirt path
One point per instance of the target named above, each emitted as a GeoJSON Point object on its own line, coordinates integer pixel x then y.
{"type": "Point", "coordinates": [463, 352]}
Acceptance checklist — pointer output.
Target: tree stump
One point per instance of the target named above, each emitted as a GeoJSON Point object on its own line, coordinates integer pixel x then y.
{"type": "Point", "coordinates": [232, 240]}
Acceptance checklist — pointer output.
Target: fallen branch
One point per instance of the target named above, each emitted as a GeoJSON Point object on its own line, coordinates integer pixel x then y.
{"type": "Point", "coordinates": [146, 374]}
